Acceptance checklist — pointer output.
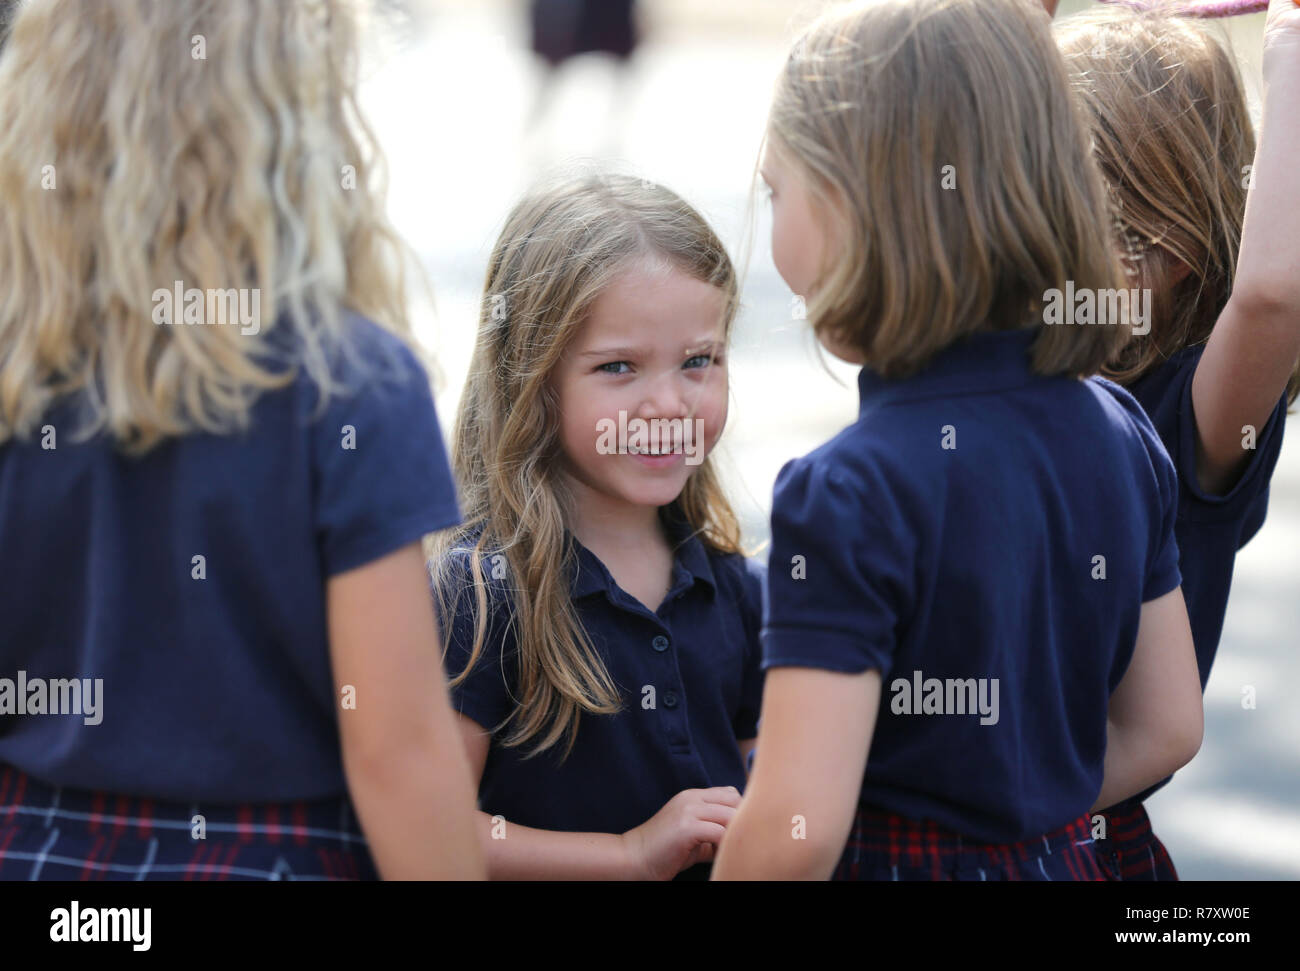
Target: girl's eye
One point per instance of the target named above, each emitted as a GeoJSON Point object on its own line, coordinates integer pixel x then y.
{"type": "Point", "coordinates": [698, 361]}
{"type": "Point", "coordinates": [614, 367]}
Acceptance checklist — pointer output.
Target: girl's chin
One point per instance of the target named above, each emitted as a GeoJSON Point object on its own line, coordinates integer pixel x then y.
{"type": "Point", "coordinates": [661, 494]}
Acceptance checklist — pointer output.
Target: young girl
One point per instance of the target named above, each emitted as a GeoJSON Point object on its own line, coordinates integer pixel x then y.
{"type": "Point", "coordinates": [1171, 128]}
{"type": "Point", "coordinates": [963, 580]}
{"type": "Point", "coordinates": [602, 625]}
{"type": "Point", "coordinates": [214, 618]}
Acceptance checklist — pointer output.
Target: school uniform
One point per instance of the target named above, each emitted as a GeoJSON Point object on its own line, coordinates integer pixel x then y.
{"type": "Point", "coordinates": [687, 674]}
{"type": "Point", "coordinates": [191, 582]}
{"type": "Point", "coordinates": [1210, 530]}
{"type": "Point", "coordinates": [958, 529]}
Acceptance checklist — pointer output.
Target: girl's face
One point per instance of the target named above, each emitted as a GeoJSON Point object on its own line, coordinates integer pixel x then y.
{"type": "Point", "coordinates": [802, 234]}
{"type": "Point", "coordinates": [798, 232]}
{"type": "Point", "coordinates": [643, 387]}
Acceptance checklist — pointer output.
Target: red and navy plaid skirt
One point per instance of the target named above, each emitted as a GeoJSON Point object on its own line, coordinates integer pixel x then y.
{"type": "Point", "coordinates": [1131, 851]}
{"type": "Point", "coordinates": [53, 833]}
{"type": "Point", "coordinates": [886, 846]}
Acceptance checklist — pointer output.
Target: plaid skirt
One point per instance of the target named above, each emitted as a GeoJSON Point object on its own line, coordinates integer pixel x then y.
{"type": "Point", "coordinates": [1131, 852]}
{"type": "Point", "coordinates": [53, 833]}
{"type": "Point", "coordinates": [886, 846]}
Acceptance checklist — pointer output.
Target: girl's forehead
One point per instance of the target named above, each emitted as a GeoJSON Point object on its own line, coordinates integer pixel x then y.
{"type": "Point", "coordinates": [652, 308]}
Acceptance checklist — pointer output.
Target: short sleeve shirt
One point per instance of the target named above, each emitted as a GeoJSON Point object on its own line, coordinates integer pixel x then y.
{"type": "Point", "coordinates": [190, 582]}
{"type": "Point", "coordinates": [687, 674]}
{"type": "Point", "coordinates": [984, 537]}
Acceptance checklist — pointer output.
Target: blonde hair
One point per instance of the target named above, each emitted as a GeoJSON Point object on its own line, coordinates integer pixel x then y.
{"type": "Point", "coordinates": [1173, 135]}
{"type": "Point", "coordinates": [145, 143]}
{"type": "Point", "coordinates": [945, 132]}
{"type": "Point", "coordinates": [561, 247]}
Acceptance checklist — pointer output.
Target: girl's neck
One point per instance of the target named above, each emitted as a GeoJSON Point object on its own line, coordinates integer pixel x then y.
{"type": "Point", "coordinates": [604, 524]}
{"type": "Point", "coordinates": [628, 538]}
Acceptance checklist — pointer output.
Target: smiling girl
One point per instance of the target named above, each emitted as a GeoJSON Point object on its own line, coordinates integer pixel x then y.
{"type": "Point", "coordinates": [601, 622]}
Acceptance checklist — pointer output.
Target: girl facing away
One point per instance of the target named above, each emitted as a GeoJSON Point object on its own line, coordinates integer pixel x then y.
{"type": "Point", "coordinates": [601, 622]}
{"type": "Point", "coordinates": [973, 589]}
{"type": "Point", "coordinates": [213, 605]}
{"type": "Point", "coordinates": [1217, 368]}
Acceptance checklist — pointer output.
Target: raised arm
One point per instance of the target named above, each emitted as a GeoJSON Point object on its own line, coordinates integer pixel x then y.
{"type": "Point", "coordinates": [1253, 349]}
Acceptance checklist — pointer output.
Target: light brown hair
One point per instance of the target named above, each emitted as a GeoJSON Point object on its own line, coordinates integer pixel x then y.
{"type": "Point", "coordinates": [561, 247]}
{"type": "Point", "coordinates": [945, 133]}
{"type": "Point", "coordinates": [1173, 135]}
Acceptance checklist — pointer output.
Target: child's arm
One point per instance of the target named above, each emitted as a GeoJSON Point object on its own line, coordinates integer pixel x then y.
{"type": "Point", "coordinates": [1253, 348]}
{"type": "Point", "coordinates": [681, 834]}
{"type": "Point", "coordinates": [799, 802]}
{"type": "Point", "coordinates": [1156, 718]}
{"type": "Point", "coordinates": [403, 758]}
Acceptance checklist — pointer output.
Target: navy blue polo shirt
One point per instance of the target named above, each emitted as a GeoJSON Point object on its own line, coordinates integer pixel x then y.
{"type": "Point", "coordinates": [216, 672]}
{"type": "Point", "coordinates": [984, 537]}
{"type": "Point", "coordinates": [699, 652]}
{"type": "Point", "coordinates": [1210, 529]}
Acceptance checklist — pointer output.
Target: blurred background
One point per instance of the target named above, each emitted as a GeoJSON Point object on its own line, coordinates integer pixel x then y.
{"type": "Point", "coordinates": [469, 115]}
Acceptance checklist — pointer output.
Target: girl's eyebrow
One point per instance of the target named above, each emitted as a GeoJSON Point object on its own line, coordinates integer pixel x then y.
{"type": "Point", "coordinates": [611, 352]}
{"type": "Point", "coordinates": [616, 353]}
{"type": "Point", "coordinates": [707, 344]}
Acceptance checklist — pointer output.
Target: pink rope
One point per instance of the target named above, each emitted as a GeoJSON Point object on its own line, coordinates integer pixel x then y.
{"type": "Point", "coordinates": [1208, 8]}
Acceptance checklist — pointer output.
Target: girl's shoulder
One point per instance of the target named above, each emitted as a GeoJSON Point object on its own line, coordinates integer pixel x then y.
{"type": "Point", "coordinates": [740, 575]}
{"type": "Point", "coordinates": [356, 358]}
{"type": "Point", "coordinates": [464, 567]}
{"type": "Point", "coordinates": [469, 581]}
{"type": "Point", "coordinates": [1123, 409]}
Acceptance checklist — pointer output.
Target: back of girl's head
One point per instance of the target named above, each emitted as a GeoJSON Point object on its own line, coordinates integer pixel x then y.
{"type": "Point", "coordinates": [945, 133]}
{"type": "Point", "coordinates": [1172, 132]}
{"type": "Point", "coordinates": [562, 245]}
{"type": "Point", "coordinates": [150, 142]}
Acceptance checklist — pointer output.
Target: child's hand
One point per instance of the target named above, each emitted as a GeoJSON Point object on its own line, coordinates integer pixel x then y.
{"type": "Point", "coordinates": [685, 832]}
{"type": "Point", "coordinates": [1281, 34]}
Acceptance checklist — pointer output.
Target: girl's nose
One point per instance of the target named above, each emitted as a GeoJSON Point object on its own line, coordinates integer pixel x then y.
{"type": "Point", "coordinates": [666, 396]}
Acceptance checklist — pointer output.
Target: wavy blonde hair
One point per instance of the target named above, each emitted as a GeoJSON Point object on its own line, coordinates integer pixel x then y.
{"type": "Point", "coordinates": [945, 133]}
{"type": "Point", "coordinates": [561, 247]}
{"type": "Point", "coordinates": [1173, 135]}
{"type": "Point", "coordinates": [128, 161]}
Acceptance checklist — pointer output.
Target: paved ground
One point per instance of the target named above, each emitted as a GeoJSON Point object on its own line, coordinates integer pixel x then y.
{"type": "Point", "coordinates": [452, 102]}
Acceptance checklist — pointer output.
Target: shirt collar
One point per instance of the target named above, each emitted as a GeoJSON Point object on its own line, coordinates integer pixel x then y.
{"type": "Point", "coordinates": [690, 562]}
{"type": "Point", "coordinates": [986, 361]}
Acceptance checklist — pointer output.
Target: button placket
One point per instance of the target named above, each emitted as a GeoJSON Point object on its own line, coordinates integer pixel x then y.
{"type": "Point", "coordinates": [671, 701]}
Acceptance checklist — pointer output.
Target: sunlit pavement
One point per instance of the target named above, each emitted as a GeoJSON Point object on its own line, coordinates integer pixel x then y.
{"type": "Point", "coordinates": [452, 105]}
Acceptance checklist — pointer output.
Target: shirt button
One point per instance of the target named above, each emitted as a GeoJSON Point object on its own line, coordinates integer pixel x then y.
{"type": "Point", "coordinates": [670, 700]}
{"type": "Point", "coordinates": [660, 643]}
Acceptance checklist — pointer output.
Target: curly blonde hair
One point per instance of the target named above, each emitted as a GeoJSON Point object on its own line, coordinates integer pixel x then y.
{"type": "Point", "coordinates": [215, 143]}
